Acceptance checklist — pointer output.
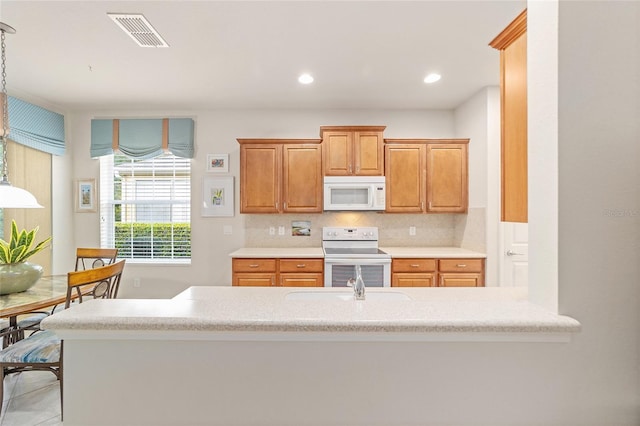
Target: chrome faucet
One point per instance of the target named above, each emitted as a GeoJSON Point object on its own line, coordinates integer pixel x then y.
{"type": "Point", "coordinates": [357, 284]}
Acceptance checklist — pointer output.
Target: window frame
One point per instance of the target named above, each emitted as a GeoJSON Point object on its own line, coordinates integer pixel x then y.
{"type": "Point", "coordinates": [108, 221]}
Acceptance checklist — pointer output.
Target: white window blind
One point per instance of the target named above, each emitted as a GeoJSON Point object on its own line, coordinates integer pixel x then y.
{"type": "Point", "coordinates": [145, 207]}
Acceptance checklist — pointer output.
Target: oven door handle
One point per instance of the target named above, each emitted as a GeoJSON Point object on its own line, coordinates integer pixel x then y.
{"type": "Point", "coordinates": [352, 261]}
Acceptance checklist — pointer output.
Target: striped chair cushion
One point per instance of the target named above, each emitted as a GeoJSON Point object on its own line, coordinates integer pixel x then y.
{"type": "Point", "coordinates": [31, 319]}
{"type": "Point", "coordinates": [43, 346]}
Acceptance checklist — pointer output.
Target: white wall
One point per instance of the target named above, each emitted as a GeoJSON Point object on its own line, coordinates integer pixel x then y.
{"type": "Point", "coordinates": [479, 119]}
{"type": "Point", "coordinates": [543, 116]}
{"type": "Point", "coordinates": [599, 202]}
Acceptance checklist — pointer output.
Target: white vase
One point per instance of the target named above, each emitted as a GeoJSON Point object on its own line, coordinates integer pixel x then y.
{"type": "Point", "coordinates": [17, 277]}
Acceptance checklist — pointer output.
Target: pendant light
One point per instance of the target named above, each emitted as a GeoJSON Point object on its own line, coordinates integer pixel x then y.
{"type": "Point", "coordinates": [10, 196]}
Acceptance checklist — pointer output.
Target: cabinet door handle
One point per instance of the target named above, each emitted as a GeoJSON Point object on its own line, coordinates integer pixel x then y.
{"type": "Point", "coordinates": [461, 265]}
{"type": "Point", "coordinates": [349, 168]}
{"type": "Point", "coordinates": [285, 205]}
{"type": "Point", "coordinates": [415, 265]}
{"type": "Point", "coordinates": [276, 205]}
{"type": "Point", "coordinates": [301, 266]}
{"type": "Point", "coordinates": [513, 253]}
{"type": "Point", "coordinates": [253, 265]}
{"type": "Point", "coordinates": [272, 281]}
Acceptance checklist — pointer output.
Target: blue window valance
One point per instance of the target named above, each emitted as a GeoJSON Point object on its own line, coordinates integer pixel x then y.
{"type": "Point", "coordinates": [143, 138]}
{"type": "Point", "coordinates": [35, 127]}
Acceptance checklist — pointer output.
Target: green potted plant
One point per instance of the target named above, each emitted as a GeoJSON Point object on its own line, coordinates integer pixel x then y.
{"type": "Point", "coordinates": [15, 273]}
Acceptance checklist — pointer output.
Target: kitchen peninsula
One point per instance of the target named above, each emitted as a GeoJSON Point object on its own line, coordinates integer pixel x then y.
{"type": "Point", "coordinates": [283, 356]}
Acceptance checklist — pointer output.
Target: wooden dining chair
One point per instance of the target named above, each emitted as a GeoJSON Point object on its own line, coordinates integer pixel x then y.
{"type": "Point", "coordinates": [89, 257]}
{"type": "Point", "coordinates": [42, 350]}
{"type": "Point", "coordinates": [86, 258]}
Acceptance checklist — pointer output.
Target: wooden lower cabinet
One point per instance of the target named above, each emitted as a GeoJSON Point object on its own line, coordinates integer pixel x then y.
{"type": "Point", "coordinates": [248, 279]}
{"type": "Point", "coordinates": [301, 280]}
{"type": "Point", "coordinates": [448, 279]}
{"type": "Point", "coordinates": [278, 272]}
{"type": "Point", "coordinates": [419, 272]}
{"type": "Point", "coordinates": [402, 279]}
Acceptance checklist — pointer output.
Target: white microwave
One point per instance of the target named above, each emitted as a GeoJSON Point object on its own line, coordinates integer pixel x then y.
{"type": "Point", "coordinates": [354, 193]}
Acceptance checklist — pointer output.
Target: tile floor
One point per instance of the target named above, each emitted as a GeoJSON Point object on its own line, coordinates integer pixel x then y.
{"type": "Point", "coordinates": [31, 399]}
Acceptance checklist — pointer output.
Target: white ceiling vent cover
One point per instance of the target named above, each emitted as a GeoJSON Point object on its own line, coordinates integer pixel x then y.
{"type": "Point", "coordinates": [139, 29]}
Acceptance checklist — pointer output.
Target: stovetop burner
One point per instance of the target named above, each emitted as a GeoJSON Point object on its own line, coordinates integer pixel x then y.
{"type": "Point", "coordinates": [351, 243]}
{"type": "Point", "coordinates": [352, 251]}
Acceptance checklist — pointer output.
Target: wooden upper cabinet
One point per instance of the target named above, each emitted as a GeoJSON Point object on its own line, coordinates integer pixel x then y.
{"type": "Point", "coordinates": [338, 153]}
{"type": "Point", "coordinates": [280, 175]}
{"type": "Point", "coordinates": [427, 175]}
{"type": "Point", "coordinates": [302, 178]}
{"type": "Point", "coordinates": [405, 178]}
{"type": "Point", "coordinates": [353, 150]}
{"type": "Point", "coordinates": [447, 177]}
{"type": "Point", "coordinates": [512, 43]}
{"type": "Point", "coordinates": [260, 178]}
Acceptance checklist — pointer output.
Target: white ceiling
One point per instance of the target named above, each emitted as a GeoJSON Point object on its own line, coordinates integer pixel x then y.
{"type": "Point", "coordinates": [240, 54]}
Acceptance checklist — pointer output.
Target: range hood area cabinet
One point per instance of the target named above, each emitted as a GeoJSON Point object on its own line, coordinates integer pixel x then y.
{"type": "Point", "coordinates": [427, 175]}
{"type": "Point", "coordinates": [280, 176]}
{"type": "Point", "coordinates": [353, 150]}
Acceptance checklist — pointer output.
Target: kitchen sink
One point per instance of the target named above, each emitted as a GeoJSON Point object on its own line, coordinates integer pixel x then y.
{"type": "Point", "coordinates": [343, 295]}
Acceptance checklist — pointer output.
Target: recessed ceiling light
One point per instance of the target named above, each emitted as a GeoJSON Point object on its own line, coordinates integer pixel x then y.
{"type": "Point", "coordinates": [432, 78]}
{"type": "Point", "coordinates": [305, 79]}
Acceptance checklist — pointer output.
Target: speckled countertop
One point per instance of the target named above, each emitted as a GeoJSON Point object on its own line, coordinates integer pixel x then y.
{"type": "Point", "coordinates": [263, 309]}
{"type": "Point", "coordinates": [432, 252]}
{"type": "Point", "coordinates": [279, 252]}
{"type": "Point", "coordinates": [397, 252]}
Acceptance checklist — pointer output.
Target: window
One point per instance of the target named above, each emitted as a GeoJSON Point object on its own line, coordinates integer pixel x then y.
{"type": "Point", "coordinates": [145, 207]}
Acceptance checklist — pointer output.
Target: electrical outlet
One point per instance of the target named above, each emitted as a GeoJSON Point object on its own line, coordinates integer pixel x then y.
{"type": "Point", "coordinates": [272, 230]}
{"type": "Point", "coordinates": [412, 231]}
{"type": "Point", "coordinates": [227, 230]}
{"type": "Point", "coordinates": [136, 282]}
{"type": "Point", "coordinates": [280, 230]}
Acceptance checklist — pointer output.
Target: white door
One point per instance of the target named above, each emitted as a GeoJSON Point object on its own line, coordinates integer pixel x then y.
{"type": "Point", "coordinates": [514, 265]}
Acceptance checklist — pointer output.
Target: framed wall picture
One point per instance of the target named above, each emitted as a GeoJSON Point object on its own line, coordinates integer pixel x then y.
{"type": "Point", "coordinates": [218, 163]}
{"type": "Point", "coordinates": [85, 196]}
{"type": "Point", "coordinates": [218, 196]}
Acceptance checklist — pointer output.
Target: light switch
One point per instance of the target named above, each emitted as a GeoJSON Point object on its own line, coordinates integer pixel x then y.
{"type": "Point", "coordinates": [227, 230]}
{"type": "Point", "coordinates": [412, 230]}
{"type": "Point", "coordinates": [272, 230]}
{"type": "Point", "coordinates": [280, 230]}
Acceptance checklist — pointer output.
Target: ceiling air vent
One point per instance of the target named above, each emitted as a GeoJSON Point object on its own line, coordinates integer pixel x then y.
{"type": "Point", "coordinates": [139, 29]}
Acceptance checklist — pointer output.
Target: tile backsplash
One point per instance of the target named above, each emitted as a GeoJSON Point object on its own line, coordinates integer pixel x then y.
{"type": "Point", "coordinates": [431, 229]}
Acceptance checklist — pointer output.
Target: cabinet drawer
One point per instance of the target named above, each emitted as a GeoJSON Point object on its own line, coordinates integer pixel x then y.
{"type": "Point", "coordinates": [301, 265]}
{"type": "Point", "coordinates": [254, 265]}
{"type": "Point", "coordinates": [461, 265]}
{"type": "Point", "coordinates": [413, 265]}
